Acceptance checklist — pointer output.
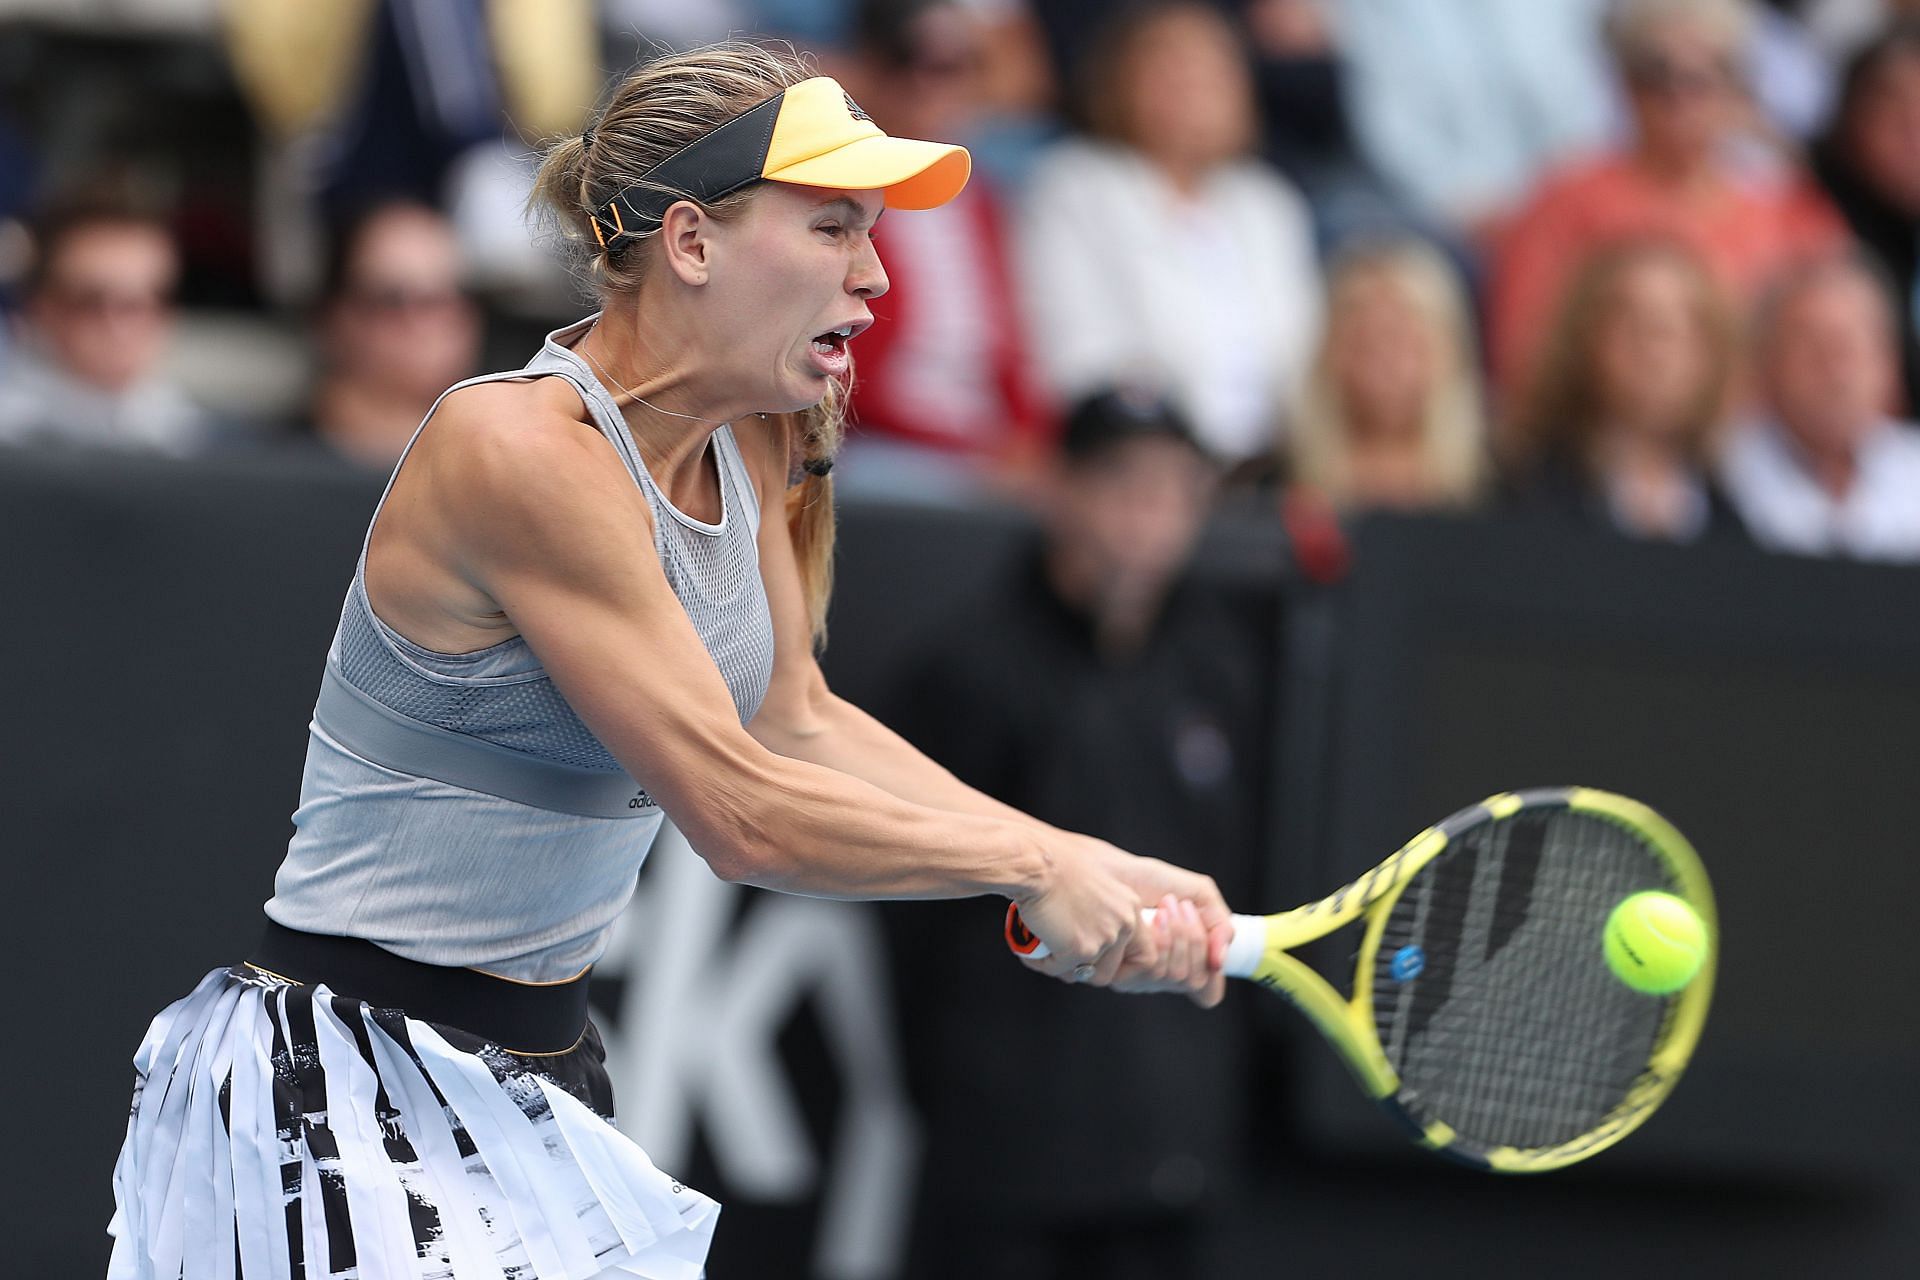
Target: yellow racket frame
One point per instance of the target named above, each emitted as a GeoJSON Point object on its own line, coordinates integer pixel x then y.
{"type": "Point", "coordinates": [1349, 1025]}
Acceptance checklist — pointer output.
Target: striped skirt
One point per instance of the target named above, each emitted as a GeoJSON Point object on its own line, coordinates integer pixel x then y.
{"type": "Point", "coordinates": [279, 1130]}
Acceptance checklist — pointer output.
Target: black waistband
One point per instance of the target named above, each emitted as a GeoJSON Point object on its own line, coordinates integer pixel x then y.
{"type": "Point", "coordinates": [523, 1017]}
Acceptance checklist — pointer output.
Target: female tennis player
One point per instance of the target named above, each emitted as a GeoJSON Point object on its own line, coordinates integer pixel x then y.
{"type": "Point", "coordinates": [582, 604]}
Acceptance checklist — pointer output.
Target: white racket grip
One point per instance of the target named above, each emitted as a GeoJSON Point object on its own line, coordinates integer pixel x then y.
{"type": "Point", "coordinates": [1248, 944]}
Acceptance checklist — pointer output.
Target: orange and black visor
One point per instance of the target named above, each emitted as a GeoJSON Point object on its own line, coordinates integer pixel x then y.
{"type": "Point", "coordinates": [811, 134]}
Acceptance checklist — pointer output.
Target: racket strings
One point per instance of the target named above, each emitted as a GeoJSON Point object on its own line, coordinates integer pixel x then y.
{"type": "Point", "coordinates": [1513, 1032]}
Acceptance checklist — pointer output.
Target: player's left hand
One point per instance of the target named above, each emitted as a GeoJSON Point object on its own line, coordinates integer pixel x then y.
{"type": "Point", "coordinates": [1153, 880]}
{"type": "Point", "coordinates": [1176, 952]}
{"type": "Point", "coordinates": [1183, 950]}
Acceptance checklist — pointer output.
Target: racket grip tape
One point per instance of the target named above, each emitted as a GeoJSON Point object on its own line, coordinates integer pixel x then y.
{"type": "Point", "coordinates": [1243, 951]}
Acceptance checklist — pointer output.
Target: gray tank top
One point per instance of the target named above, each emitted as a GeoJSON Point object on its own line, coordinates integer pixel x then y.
{"type": "Point", "coordinates": [454, 809]}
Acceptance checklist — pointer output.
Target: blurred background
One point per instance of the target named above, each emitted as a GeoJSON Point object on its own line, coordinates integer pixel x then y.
{"type": "Point", "coordinates": [1316, 415]}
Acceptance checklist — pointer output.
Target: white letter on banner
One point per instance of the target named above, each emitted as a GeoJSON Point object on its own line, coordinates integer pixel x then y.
{"type": "Point", "coordinates": [695, 1037]}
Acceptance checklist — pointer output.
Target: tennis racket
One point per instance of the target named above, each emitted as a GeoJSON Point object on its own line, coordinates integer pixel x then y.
{"type": "Point", "coordinates": [1483, 1014]}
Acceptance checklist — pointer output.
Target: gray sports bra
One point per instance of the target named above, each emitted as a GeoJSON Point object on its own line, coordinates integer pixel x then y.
{"type": "Point", "coordinates": [454, 808]}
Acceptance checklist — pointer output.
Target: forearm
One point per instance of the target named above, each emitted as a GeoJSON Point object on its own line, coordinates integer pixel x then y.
{"type": "Point", "coordinates": [842, 737]}
{"type": "Point", "coordinates": [800, 827]}
{"type": "Point", "coordinates": [820, 735]}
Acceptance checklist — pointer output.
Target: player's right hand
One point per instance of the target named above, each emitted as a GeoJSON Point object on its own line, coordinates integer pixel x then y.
{"type": "Point", "coordinates": [1086, 913]}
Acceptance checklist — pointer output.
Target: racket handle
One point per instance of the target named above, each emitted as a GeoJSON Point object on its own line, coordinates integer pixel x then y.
{"type": "Point", "coordinates": [1243, 951]}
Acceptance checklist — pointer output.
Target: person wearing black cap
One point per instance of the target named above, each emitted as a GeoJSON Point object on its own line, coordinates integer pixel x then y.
{"type": "Point", "coordinates": [1097, 686]}
{"type": "Point", "coordinates": [1131, 496]}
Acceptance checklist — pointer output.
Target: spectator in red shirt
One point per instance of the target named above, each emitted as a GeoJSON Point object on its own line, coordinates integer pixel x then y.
{"type": "Point", "coordinates": [943, 403]}
{"type": "Point", "coordinates": [1678, 177]}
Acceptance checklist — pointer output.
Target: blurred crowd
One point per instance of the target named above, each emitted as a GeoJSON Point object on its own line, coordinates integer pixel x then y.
{"type": "Point", "coordinates": [1647, 264]}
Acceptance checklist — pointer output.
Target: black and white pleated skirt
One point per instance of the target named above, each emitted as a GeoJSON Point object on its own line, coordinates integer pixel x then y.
{"type": "Point", "coordinates": [279, 1130]}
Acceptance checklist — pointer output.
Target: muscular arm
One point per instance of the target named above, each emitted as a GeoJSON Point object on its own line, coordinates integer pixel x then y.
{"type": "Point", "coordinates": [541, 518]}
{"type": "Point", "coordinates": [551, 527]}
{"type": "Point", "coordinates": [826, 729]}
{"type": "Point", "coordinates": [803, 719]}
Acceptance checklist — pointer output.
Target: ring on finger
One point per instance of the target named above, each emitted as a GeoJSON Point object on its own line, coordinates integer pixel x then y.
{"type": "Point", "coordinates": [1083, 973]}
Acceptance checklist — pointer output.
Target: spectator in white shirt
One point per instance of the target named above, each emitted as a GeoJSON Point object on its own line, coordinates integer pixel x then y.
{"type": "Point", "coordinates": [1826, 470]}
{"type": "Point", "coordinates": [1160, 250]}
{"type": "Point", "coordinates": [98, 316]}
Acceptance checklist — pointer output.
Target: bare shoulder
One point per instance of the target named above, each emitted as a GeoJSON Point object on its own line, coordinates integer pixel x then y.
{"type": "Point", "coordinates": [494, 422]}
{"type": "Point", "coordinates": [524, 467]}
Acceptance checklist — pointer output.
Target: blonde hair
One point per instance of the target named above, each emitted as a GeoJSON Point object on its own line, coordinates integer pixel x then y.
{"type": "Point", "coordinates": [1453, 421]}
{"type": "Point", "coordinates": [1564, 409]}
{"type": "Point", "coordinates": [813, 436]}
{"type": "Point", "coordinates": [654, 111]}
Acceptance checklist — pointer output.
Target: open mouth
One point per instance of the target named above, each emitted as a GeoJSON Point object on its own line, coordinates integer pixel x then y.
{"type": "Point", "coordinates": [833, 343]}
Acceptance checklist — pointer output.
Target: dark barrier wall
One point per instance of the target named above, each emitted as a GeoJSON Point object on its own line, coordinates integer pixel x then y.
{"type": "Point", "coordinates": [1766, 705]}
{"type": "Point", "coordinates": [164, 629]}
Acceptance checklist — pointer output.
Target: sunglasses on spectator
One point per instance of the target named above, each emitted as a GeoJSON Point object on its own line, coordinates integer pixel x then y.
{"type": "Point", "coordinates": [396, 300]}
{"type": "Point", "coordinates": [104, 300]}
{"type": "Point", "coordinates": [1675, 78]}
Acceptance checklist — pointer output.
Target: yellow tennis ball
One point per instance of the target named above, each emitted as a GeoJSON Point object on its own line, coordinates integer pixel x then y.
{"type": "Point", "coordinates": [1655, 943]}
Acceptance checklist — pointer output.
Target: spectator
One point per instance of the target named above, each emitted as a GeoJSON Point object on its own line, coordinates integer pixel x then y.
{"type": "Point", "coordinates": [1302, 81]}
{"type": "Point", "coordinates": [1158, 249]}
{"type": "Point", "coordinates": [1621, 423]}
{"type": "Point", "coordinates": [1070, 32]}
{"type": "Point", "coordinates": [1826, 470]}
{"type": "Point", "coordinates": [945, 399]}
{"type": "Point", "coordinates": [1461, 103]}
{"type": "Point", "coordinates": [1391, 415]}
{"type": "Point", "coordinates": [1100, 690]}
{"type": "Point", "coordinates": [98, 315]}
{"type": "Point", "coordinates": [1870, 163]}
{"type": "Point", "coordinates": [1681, 61]}
{"type": "Point", "coordinates": [395, 331]}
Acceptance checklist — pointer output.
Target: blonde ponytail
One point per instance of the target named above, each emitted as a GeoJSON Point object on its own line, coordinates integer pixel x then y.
{"type": "Point", "coordinates": [813, 437]}
{"type": "Point", "coordinates": [653, 112]}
